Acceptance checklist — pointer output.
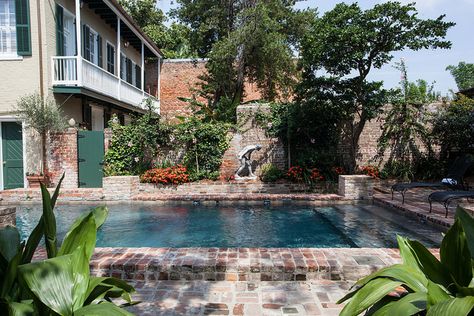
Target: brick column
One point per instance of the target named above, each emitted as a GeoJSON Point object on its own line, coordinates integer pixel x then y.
{"type": "Point", "coordinates": [62, 158]}
{"type": "Point", "coordinates": [121, 187]}
{"type": "Point", "coordinates": [356, 187]}
{"type": "Point", "coordinates": [107, 138]}
{"type": "Point", "coordinates": [7, 216]}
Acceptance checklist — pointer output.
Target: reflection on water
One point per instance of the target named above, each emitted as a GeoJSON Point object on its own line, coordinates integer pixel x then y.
{"type": "Point", "coordinates": [147, 225]}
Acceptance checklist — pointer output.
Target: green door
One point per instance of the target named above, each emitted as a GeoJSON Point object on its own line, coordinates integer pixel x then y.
{"type": "Point", "coordinates": [90, 154]}
{"type": "Point", "coordinates": [12, 154]}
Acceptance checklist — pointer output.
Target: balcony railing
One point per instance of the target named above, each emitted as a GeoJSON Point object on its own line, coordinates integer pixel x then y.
{"type": "Point", "coordinates": [97, 79]}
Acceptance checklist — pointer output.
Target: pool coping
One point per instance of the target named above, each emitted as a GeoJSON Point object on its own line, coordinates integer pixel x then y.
{"type": "Point", "coordinates": [239, 264]}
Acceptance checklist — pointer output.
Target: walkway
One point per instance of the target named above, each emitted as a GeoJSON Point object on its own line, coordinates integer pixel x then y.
{"type": "Point", "coordinates": [239, 298]}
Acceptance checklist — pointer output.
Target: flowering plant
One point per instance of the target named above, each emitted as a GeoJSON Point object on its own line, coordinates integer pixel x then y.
{"type": "Point", "coordinates": [338, 170]}
{"type": "Point", "coordinates": [316, 175]}
{"type": "Point", "coordinates": [295, 173]}
{"type": "Point", "coordinates": [171, 175]}
{"type": "Point", "coordinates": [372, 171]}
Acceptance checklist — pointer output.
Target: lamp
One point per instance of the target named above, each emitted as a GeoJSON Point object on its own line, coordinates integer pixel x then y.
{"type": "Point", "coordinates": [126, 44]}
{"type": "Point", "coordinates": [82, 4]}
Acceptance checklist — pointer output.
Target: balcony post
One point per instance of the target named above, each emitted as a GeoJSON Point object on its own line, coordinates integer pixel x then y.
{"type": "Point", "coordinates": [143, 69]}
{"type": "Point", "coordinates": [78, 42]}
{"type": "Point", "coordinates": [119, 58]}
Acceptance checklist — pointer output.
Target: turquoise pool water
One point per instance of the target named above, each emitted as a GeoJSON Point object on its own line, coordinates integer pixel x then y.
{"type": "Point", "coordinates": [147, 225]}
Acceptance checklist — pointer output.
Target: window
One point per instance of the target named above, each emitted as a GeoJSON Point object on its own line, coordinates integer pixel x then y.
{"type": "Point", "coordinates": [110, 58]}
{"type": "Point", "coordinates": [65, 32]}
{"type": "Point", "coordinates": [7, 28]}
{"type": "Point", "coordinates": [123, 67]}
{"type": "Point", "coordinates": [138, 76]}
{"type": "Point", "coordinates": [92, 42]}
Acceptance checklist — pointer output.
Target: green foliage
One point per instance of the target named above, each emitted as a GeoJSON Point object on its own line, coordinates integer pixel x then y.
{"type": "Point", "coordinates": [205, 144]}
{"type": "Point", "coordinates": [453, 126]}
{"type": "Point", "coordinates": [61, 284]}
{"type": "Point", "coordinates": [244, 41]}
{"type": "Point", "coordinates": [404, 129]}
{"type": "Point", "coordinates": [134, 146]}
{"type": "Point", "coordinates": [463, 74]}
{"type": "Point", "coordinates": [424, 285]}
{"type": "Point", "coordinates": [271, 173]}
{"type": "Point", "coordinates": [345, 44]}
{"type": "Point", "coordinates": [173, 40]}
{"type": "Point", "coordinates": [41, 114]}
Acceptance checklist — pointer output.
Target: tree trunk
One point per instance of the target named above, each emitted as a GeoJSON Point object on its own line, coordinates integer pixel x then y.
{"type": "Point", "coordinates": [44, 155]}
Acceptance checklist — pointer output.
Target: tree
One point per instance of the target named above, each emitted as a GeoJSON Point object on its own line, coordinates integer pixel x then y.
{"type": "Point", "coordinates": [405, 126]}
{"type": "Point", "coordinates": [44, 116]}
{"type": "Point", "coordinates": [249, 40]}
{"type": "Point", "coordinates": [463, 74]}
{"type": "Point", "coordinates": [454, 126]}
{"type": "Point", "coordinates": [174, 41]}
{"type": "Point", "coordinates": [346, 43]}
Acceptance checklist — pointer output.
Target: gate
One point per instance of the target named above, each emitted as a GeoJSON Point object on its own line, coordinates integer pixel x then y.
{"type": "Point", "coordinates": [90, 157]}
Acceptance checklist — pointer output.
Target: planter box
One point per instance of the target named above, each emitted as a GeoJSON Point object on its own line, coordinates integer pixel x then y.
{"type": "Point", "coordinates": [34, 181]}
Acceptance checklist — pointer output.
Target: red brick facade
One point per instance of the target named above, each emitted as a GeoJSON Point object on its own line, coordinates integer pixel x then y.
{"type": "Point", "coordinates": [62, 158]}
{"type": "Point", "coordinates": [179, 78]}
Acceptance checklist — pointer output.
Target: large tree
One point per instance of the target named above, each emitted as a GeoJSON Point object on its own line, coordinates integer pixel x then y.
{"type": "Point", "coordinates": [463, 74]}
{"type": "Point", "coordinates": [245, 40]}
{"type": "Point", "coordinates": [346, 43]}
{"type": "Point", "coordinates": [173, 40]}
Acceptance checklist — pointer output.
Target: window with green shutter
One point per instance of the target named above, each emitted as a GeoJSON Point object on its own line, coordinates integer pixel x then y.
{"type": "Point", "coordinates": [99, 51]}
{"type": "Point", "coordinates": [23, 29]}
{"type": "Point", "coordinates": [129, 71]}
{"type": "Point", "coordinates": [59, 30]}
{"type": "Point", "coordinates": [110, 58]}
{"type": "Point", "coordinates": [138, 75]}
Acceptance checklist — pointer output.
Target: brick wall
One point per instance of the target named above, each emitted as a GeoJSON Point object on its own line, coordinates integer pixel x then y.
{"type": "Point", "coordinates": [178, 79]}
{"type": "Point", "coordinates": [120, 188]}
{"type": "Point", "coordinates": [62, 158]}
{"type": "Point", "coordinates": [250, 133]}
{"type": "Point", "coordinates": [356, 187]}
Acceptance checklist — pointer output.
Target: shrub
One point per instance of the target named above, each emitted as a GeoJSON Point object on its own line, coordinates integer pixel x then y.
{"type": "Point", "coordinates": [205, 144]}
{"type": "Point", "coordinates": [134, 146]}
{"type": "Point", "coordinates": [171, 175]}
{"type": "Point", "coordinates": [270, 173]}
{"type": "Point", "coordinates": [295, 174]}
{"type": "Point", "coordinates": [422, 284]}
{"type": "Point", "coordinates": [372, 171]}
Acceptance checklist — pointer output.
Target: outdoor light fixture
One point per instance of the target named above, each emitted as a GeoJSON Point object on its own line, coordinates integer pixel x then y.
{"type": "Point", "coordinates": [126, 44]}
{"type": "Point", "coordinates": [82, 4]}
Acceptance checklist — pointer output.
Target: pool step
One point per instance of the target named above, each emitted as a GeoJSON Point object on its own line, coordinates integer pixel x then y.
{"type": "Point", "coordinates": [240, 264]}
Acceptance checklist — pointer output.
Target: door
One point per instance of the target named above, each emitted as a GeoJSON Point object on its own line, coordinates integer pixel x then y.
{"type": "Point", "coordinates": [12, 155]}
{"type": "Point", "coordinates": [90, 152]}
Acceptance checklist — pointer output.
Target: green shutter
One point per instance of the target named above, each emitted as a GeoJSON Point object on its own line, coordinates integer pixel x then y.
{"type": "Point", "coordinates": [86, 42]}
{"type": "Point", "coordinates": [129, 70]}
{"type": "Point", "coordinates": [23, 30]}
{"type": "Point", "coordinates": [110, 59]}
{"type": "Point", "coordinates": [99, 50]}
{"type": "Point", "coordinates": [59, 30]}
{"type": "Point", "coordinates": [138, 75]}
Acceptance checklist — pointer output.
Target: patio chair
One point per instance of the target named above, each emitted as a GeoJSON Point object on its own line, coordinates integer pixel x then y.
{"type": "Point", "coordinates": [454, 180]}
{"type": "Point", "coordinates": [446, 197]}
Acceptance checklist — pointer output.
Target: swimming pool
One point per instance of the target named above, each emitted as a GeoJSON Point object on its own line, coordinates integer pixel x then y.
{"type": "Point", "coordinates": [292, 225]}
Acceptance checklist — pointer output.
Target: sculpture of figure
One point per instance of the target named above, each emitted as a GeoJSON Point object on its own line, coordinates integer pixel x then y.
{"type": "Point", "coordinates": [244, 158]}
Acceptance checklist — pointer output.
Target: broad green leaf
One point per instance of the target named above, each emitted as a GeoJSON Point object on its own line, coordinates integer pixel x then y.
{"type": "Point", "coordinates": [81, 275]}
{"type": "Point", "coordinates": [56, 192]}
{"type": "Point", "coordinates": [454, 306]}
{"type": "Point", "coordinates": [436, 294]}
{"type": "Point", "coordinates": [9, 242]}
{"type": "Point", "coordinates": [381, 307]}
{"type": "Point", "coordinates": [49, 223]}
{"type": "Point", "coordinates": [102, 309]}
{"type": "Point", "coordinates": [467, 222]}
{"type": "Point", "coordinates": [33, 241]}
{"type": "Point", "coordinates": [21, 309]}
{"type": "Point", "coordinates": [411, 277]}
{"type": "Point", "coordinates": [100, 214]}
{"type": "Point", "coordinates": [82, 235]}
{"type": "Point", "coordinates": [410, 304]}
{"type": "Point", "coordinates": [455, 254]}
{"type": "Point", "coordinates": [11, 273]}
{"type": "Point", "coordinates": [368, 295]}
{"type": "Point", "coordinates": [100, 287]}
{"type": "Point", "coordinates": [406, 252]}
{"type": "Point", "coordinates": [52, 282]}
{"type": "Point", "coordinates": [429, 264]}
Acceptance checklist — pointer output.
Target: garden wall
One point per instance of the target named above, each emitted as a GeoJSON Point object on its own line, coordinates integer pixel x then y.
{"type": "Point", "coordinates": [250, 132]}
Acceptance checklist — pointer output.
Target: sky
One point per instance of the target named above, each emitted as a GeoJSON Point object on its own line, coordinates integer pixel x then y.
{"type": "Point", "coordinates": [429, 65]}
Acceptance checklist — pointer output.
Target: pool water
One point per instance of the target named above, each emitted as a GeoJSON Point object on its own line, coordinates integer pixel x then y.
{"type": "Point", "coordinates": [148, 225]}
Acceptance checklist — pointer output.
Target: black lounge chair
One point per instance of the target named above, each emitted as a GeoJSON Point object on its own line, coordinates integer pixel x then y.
{"type": "Point", "coordinates": [446, 197]}
{"type": "Point", "coordinates": [454, 179]}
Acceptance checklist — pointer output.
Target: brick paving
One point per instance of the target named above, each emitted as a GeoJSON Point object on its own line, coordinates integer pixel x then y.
{"type": "Point", "coordinates": [239, 298]}
{"type": "Point", "coordinates": [416, 204]}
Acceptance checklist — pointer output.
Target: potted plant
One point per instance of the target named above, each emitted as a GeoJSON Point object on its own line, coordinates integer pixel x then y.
{"type": "Point", "coordinates": [42, 115]}
{"type": "Point", "coordinates": [35, 179]}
